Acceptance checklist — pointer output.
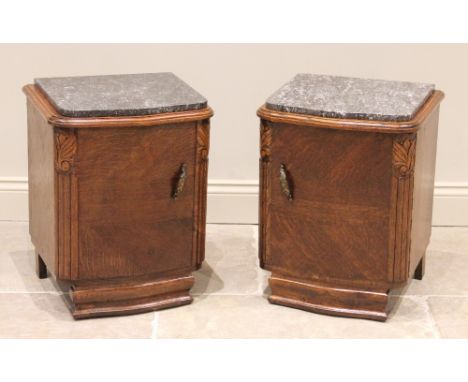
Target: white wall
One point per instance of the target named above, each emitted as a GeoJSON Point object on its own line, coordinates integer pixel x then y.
{"type": "Point", "coordinates": [236, 79]}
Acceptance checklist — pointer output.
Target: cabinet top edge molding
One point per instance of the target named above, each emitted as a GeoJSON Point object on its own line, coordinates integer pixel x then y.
{"type": "Point", "coordinates": [375, 126]}
{"type": "Point", "coordinates": [53, 116]}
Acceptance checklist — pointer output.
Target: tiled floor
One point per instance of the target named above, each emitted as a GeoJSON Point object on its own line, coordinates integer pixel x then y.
{"type": "Point", "coordinates": [230, 301]}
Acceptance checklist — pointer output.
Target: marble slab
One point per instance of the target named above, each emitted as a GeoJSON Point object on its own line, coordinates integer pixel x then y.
{"type": "Point", "coordinates": [120, 95]}
{"type": "Point", "coordinates": [347, 97]}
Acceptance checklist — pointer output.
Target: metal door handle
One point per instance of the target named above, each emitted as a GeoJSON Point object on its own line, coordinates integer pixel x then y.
{"type": "Point", "coordinates": [284, 181]}
{"type": "Point", "coordinates": [180, 181]}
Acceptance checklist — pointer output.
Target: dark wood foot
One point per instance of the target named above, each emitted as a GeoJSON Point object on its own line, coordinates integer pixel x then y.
{"type": "Point", "coordinates": [41, 267]}
{"type": "Point", "coordinates": [419, 272]}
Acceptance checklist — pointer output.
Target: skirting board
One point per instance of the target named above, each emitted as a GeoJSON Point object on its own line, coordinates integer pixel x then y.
{"type": "Point", "coordinates": [236, 201]}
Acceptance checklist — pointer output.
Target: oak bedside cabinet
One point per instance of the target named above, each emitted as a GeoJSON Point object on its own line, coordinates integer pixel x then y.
{"type": "Point", "coordinates": [117, 189]}
{"type": "Point", "coordinates": [346, 188]}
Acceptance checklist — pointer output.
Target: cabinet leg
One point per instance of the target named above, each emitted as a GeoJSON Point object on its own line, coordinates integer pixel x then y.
{"type": "Point", "coordinates": [41, 267]}
{"type": "Point", "coordinates": [419, 272]}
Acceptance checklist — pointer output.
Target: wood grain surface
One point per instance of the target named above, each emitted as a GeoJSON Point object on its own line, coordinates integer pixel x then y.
{"type": "Point", "coordinates": [357, 224]}
{"type": "Point", "coordinates": [103, 215]}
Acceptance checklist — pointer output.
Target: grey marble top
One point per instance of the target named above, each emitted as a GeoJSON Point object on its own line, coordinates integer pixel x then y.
{"type": "Point", "coordinates": [120, 95]}
{"type": "Point", "coordinates": [346, 97]}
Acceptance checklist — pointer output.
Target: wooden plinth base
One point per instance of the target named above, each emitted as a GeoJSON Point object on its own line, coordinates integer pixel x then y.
{"type": "Point", "coordinates": [117, 298]}
{"type": "Point", "coordinates": [329, 300]}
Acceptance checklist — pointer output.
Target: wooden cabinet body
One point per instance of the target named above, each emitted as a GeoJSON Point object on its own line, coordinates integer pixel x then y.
{"type": "Point", "coordinates": [104, 215]}
{"type": "Point", "coordinates": [345, 208]}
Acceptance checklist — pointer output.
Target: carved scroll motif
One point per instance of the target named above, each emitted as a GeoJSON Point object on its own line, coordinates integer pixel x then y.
{"type": "Point", "coordinates": [265, 141]}
{"type": "Point", "coordinates": [65, 146]}
{"type": "Point", "coordinates": [404, 155]}
{"type": "Point", "coordinates": [266, 137]}
{"type": "Point", "coordinates": [203, 146]}
{"type": "Point", "coordinates": [203, 141]}
{"type": "Point", "coordinates": [67, 203]}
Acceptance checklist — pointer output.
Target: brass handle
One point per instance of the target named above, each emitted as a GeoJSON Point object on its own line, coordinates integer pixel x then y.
{"type": "Point", "coordinates": [285, 187]}
{"type": "Point", "coordinates": [180, 181]}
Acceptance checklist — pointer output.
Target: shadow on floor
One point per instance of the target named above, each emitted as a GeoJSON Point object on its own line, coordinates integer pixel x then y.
{"type": "Point", "coordinates": [206, 281]}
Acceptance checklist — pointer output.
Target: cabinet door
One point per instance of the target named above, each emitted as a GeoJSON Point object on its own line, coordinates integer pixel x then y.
{"type": "Point", "coordinates": [335, 223]}
{"type": "Point", "coordinates": [129, 222]}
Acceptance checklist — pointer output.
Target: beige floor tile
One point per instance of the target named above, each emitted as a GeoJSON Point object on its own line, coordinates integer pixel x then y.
{"type": "Point", "coordinates": [446, 274]}
{"type": "Point", "coordinates": [231, 304]}
{"type": "Point", "coordinates": [17, 261]}
{"type": "Point", "coordinates": [17, 273]}
{"type": "Point", "coordinates": [231, 263]}
{"type": "Point", "coordinates": [254, 317]}
{"type": "Point", "coordinates": [263, 275]}
{"type": "Point", "coordinates": [450, 315]}
{"type": "Point", "coordinates": [45, 315]}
